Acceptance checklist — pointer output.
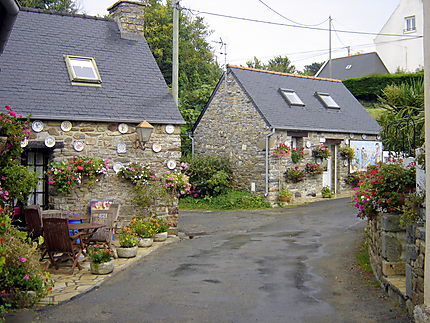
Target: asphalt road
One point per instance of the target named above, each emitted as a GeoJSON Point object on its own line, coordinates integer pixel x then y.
{"type": "Point", "coordinates": [280, 265]}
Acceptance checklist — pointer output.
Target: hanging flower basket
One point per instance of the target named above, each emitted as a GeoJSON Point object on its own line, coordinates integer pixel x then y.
{"type": "Point", "coordinates": [347, 152]}
{"type": "Point", "coordinates": [297, 154]}
{"type": "Point", "coordinates": [282, 150]}
{"type": "Point", "coordinates": [321, 151]}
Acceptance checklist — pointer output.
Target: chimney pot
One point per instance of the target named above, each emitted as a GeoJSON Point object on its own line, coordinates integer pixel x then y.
{"type": "Point", "coordinates": [129, 16]}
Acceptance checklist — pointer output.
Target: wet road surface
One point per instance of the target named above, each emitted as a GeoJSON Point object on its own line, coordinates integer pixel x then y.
{"type": "Point", "coordinates": [280, 265]}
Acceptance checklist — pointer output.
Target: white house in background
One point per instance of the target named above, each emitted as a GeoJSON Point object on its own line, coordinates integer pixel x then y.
{"type": "Point", "coordinates": [404, 52]}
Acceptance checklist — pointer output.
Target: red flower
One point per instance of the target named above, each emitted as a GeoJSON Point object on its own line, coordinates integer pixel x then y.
{"type": "Point", "coordinates": [12, 113]}
{"type": "Point", "coordinates": [80, 167]}
{"type": "Point", "coordinates": [7, 107]}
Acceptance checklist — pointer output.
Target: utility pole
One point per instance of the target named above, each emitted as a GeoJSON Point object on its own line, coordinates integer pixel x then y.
{"type": "Point", "coordinates": [349, 50]}
{"type": "Point", "coordinates": [329, 46]}
{"type": "Point", "coordinates": [175, 60]}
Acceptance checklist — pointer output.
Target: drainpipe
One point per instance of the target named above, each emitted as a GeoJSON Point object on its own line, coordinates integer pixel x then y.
{"type": "Point", "coordinates": [192, 143]}
{"type": "Point", "coordinates": [267, 160]}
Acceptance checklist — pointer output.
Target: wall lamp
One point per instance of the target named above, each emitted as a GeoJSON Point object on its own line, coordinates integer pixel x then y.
{"type": "Point", "coordinates": [144, 131]}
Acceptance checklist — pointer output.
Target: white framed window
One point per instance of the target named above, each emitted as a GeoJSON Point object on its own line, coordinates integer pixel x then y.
{"type": "Point", "coordinates": [410, 25]}
{"type": "Point", "coordinates": [327, 100]}
{"type": "Point", "coordinates": [82, 69]}
{"type": "Point", "coordinates": [291, 97]}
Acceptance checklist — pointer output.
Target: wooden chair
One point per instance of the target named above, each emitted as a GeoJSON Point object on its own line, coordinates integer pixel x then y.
{"type": "Point", "coordinates": [33, 219]}
{"type": "Point", "coordinates": [107, 218]}
{"type": "Point", "coordinates": [58, 240]}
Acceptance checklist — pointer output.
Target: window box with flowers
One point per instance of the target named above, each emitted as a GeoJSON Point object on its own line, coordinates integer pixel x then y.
{"type": "Point", "coordinates": [297, 154]}
{"type": "Point", "coordinates": [346, 152]}
{"type": "Point", "coordinates": [313, 169]}
{"type": "Point", "coordinates": [294, 175]}
{"type": "Point", "coordinates": [281, 150]}
{"type": "Point", "coordinates": [321, 152]}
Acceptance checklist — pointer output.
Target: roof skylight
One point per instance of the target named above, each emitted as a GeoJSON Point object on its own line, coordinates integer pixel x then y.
{"type": "Point", "coordinates": [327, 100]}
{"type": "Point", "coordinates": [291, 97]}
{"type": "Point", "coordinates": [82, 69]}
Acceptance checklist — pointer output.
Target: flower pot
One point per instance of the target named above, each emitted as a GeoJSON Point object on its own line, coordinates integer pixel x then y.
{"type": "Point", "coordinates": [103, 268]}
{"type": "Point", "coordinates": [159, 237]}
{"type": "Point", "coordinates": [285, 199]}
{"type": "Point", "coordinates": [126, 252]}
{"type": "Point", "coordinates": [145, 242]}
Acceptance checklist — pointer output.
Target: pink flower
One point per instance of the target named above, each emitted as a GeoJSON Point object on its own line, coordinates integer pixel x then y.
{"type": "Point", "coordinates": [12, 113]}
{"type": "Point", "coordinates": [7, 107]}
{"type": "Point", "coordinates": [26, 277]}
{"type": "Point", "coordinates": [51, 182]}
{"type": "Point", "coordinates": [22, 259]}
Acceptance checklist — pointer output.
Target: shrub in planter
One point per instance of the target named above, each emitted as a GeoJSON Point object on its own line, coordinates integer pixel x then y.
{"type": "Point", "coordinates": [326, 192]}
{"type": "Point", "coordinates": [101, 259]}
{"type": "Point", "coordinates": [294, 175]}
{"type": "Point", "coordinates": [285, 195]}
{"type": "Point", "coordinates": [144, 231]}
{"type": "Point", "coordinates": [411, 210]}
{"type": "Point", "coordinates": [128, 243]}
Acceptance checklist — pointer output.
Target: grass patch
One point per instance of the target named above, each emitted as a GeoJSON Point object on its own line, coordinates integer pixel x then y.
{"type": "Point", "coordinates": [234, 200]}
{"type": "Point", "coordinates": [363, 259]}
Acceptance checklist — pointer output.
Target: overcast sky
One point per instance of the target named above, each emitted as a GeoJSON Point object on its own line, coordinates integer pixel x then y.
{"type": "Point", "coordinates": [303, 46]}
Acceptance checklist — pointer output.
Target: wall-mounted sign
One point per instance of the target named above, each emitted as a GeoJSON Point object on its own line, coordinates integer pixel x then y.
{"type": "Point", "coordinates": [366, 153]}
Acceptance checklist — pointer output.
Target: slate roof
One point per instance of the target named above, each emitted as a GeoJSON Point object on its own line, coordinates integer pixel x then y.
{"type": "Point", "coordinates": [263, 89]}
{"type": "Point", "coordinates": [34, 77]}
{"type": "Point", "coordinates": [359, 65]}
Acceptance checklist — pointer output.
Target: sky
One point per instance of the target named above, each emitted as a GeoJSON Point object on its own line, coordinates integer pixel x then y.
{"type": "Point", "coordinates": [245, 39]}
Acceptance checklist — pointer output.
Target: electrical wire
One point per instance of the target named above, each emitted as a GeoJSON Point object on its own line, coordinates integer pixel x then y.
{"type": "Point", "coordinates": [337, 35]}
{"type": "Point", "coordinates": [294, 22]}
{"type": "Point", "coordinates": [295, 26]}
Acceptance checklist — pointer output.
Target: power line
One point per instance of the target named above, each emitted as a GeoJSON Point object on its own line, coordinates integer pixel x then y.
{"type": "Point", "coordinates": [295, 26]}
{"type": "Point", "coordinates": [294, 22]}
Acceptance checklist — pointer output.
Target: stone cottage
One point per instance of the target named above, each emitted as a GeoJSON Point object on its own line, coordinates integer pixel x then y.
{"type": "Point", "coordinates": [251, 112]}
{"type": "Point", "coordinates": [87, 82]}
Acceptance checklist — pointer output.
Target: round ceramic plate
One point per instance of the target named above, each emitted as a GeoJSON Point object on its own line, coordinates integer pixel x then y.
{"type": "Point", "coordinates": [78, 145]}
{"type": "Point", "coordinates": [363, 136]}
{"type": "Point", "coordinates": [66, 126]}
{"type": "Point", "coordinates": [156, 148]}
{"type": "Point", "coordinates": [24, 142]}
{"type": "Point", "coordinates": [351, 135]}
{"type": "Point", "coordinates": [122, 128]}
{"type": "Point", "coordinates": [37, 126]}
{"type": "Point", "coordinates": [171, 164]}
{"type": "Point", "coordinates": [170, 129]}
{"type": "Point", "coordinates": [49, 141]}
{"type": "Point", "coordinates": [287, 143]}
{"type": "Point", "coordinates": [117, 167]}
{"type": "Point", "coordinates": [121, 148]}
{"type": "Point", "coordinates": [308, 144]}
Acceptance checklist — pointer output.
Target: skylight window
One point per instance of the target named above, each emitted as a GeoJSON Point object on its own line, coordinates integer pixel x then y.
{"type": "Point", "coordinates": [327, 100]}
{"type": "Point", "coordinates": [347, 67]}
{"type": "Point", "coordinates": [291, 97]}
{"type": "Point", "coordinates": [82, 70]}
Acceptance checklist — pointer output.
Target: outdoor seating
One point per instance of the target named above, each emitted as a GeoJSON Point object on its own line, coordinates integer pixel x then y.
{"type": "Point", "coordinates": [58, 240]}
{"type": "Point", "coordinates": [33, 219]}
{"type": "Point", "coordinates": [108, 218]}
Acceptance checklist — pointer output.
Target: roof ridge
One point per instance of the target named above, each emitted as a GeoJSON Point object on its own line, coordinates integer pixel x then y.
{"type": "Point", "coordinates": [63, 13]}
{"type": "Point", "coordinates": [354, 55]}
{"type": "Point", "coordinates": [285, 74]}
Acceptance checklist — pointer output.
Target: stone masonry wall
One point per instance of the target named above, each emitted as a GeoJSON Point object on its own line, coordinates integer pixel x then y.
{"type": "Point", "coordinates": [101, 141]}
{"type": "Point", "coordinates": [232, 127]}
{"type": "Point", "coordinates": [415, 255]}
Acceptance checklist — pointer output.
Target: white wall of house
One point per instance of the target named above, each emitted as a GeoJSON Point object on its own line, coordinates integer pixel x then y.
{"type": "Point", "coordinates": [403, 52]}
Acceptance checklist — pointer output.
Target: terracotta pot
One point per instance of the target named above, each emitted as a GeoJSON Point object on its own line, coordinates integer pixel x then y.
{"type": "Point", "coordinates": [145, 242]}
{"type": "Point", "coordinates": [103, 268]}
{"type": "Point", "coordinates": [159, 237]}
{"type": "Point", "coordinates": [284, 199]}
{"type": "Point", "coordinates": [126, 252]}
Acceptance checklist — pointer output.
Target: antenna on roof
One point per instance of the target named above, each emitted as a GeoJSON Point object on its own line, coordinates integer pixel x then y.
{"type": "Point", "coordinates": [222, 52]}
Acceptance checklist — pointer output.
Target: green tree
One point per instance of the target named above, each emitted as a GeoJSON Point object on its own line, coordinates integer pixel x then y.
{"type": "Point", "coordinates": [312, 69]}
{"type": "Point", "coordinates": [56, 5]}
{"type": "Point", "coordinates": [255, 63]}
{"type": "Point", "coordinates": [198, 70]}
{"type": "Point", "coordinates": [276, 64]}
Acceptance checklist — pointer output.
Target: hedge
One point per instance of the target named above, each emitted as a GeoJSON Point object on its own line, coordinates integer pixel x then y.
{"type": "Point", "coordinates": [368, 88]}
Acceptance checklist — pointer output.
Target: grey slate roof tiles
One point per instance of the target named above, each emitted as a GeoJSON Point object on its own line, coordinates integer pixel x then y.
{"type": "Point", "coordinates": [263, 88]}
{"type": "Point", "coordinates": [34, 77]}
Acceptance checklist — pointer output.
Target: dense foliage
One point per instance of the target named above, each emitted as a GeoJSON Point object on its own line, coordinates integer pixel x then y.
{"type": "Point", "coordinates": [368, 88]}
{"type": "Point", "coordinates": [209, 175]}
{"type": "Point", "coordinates": [56, 5]}
{"type": "Point", "coordinates": [275, 64]}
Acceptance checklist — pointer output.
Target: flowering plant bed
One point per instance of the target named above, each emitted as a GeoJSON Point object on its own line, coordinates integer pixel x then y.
{"type": "Point", "coordinates": [321, 151]}
{"type": "Point", "coordinates": [282, 150]}
{"type": "Point", "coordinates": [178, 183]}
{"type": "Point", "coordinates": [297, 154]}
{"type": "Point", "coordinates": [313, 169]}
{"type": "Point", "coordinates": [294, 175]}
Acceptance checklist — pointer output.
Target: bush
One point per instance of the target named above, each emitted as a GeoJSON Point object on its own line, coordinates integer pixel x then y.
{"type": "Point", "coordinates": [210, 175]}
{"type": "Point", "coordinates": [326, 192]}
{"type": "Point", "coordinates": [411, 210]}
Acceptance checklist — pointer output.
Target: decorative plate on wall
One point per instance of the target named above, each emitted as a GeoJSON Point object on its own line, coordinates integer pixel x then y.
{"type": "Point", "coordinates": [117, 167]}
{"type": "Point", "coordinates": [121, 148]}
{"type": "Point", "coordinates": [170, 129]}
{"type": "Point", "coordinates": [24, 142]}
{"type": "Point", "coordinates": [66, 126]}
{"type": "Point", "coordinates": [171, 164]}
{"type": "Point", "coordinates": [156, 148]}
{"type": "Point", "coordinates": [308, 144]}
{"type": "Point", "coordinates": [287, 143]}
{"type": "Point", "coordinates": [78, 145]}
{"type": "Point", "coordinates": [363, 136]}
{"type": "Point", "coordinates": [37, 126]}
{"type": "Point", "coordinates": [351, 135]}
{"type": "Point", "coordinates": [122, 128]}
{"type": "Point", "coordinates": [49, 141]}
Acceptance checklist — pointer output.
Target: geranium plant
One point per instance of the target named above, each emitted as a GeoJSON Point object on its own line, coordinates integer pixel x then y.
{"type": "Point", "coordinates": [297, 154]}
{"type": "Point", "coordinates": [281, 150]}
{"type": "Point", "coordinates": [313, 169]}
{"type": "Point", "coordinates": [294, 175]}
{"type": "Point", "coordinates": [100, 253]}
{"type": "Point", "coordinates": [137, 173]}
{"type": "Point", "coordinates": [347, 152]}
{"type": "Point", "coordinates": [321, 151]}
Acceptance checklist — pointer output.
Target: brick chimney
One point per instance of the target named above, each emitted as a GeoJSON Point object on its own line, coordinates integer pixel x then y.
{"type": "Point", "coordinates": [129, 17]}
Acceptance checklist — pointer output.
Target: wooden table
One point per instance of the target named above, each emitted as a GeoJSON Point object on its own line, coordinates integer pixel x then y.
{"type": "Point", "coordinates": [87, 229]}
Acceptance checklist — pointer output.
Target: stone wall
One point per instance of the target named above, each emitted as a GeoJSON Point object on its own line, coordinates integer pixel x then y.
{"type": "Point", "coordinates": [415, 255]}
{"type": "Point", "coordinates": [101, 141]}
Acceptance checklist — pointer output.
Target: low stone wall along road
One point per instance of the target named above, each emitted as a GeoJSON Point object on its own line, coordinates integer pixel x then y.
{"type": "Point", "coordinates": [278, 265]}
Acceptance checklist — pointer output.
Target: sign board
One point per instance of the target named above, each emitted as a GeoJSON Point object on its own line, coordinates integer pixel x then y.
{"type": "Point", "coordinates": [366, 153]}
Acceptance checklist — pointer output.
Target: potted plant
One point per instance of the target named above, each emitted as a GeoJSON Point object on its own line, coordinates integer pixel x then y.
{"type": "Point", "coordinates": [144, 232]}
{"type": "Point", "coordinates": [101, 259]}
{"type": "Point", "coordinates": [321, 151]}
{"type": "Point", "coordinates": [313, 169]}
{"type": "Point", "coordinates": [285, 195]}
{"type": "Point", "coordinates": [281, 150]}
{"type": "Point", "coordinates": [294, 175]}
{"type": "Point", "coordinates": [326, 192]}
{"type": "Point", "coordinates": [160, 226]}
{"type": "Point", "coordinates": [297, 154]}
{"type": "Point", "coordinates": [346, 152]}
{"type": "Point", "coordinates": [128, 243]}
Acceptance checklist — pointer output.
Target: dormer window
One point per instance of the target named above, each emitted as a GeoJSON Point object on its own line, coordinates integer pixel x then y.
{"type": "Point", "coordinates": [82, 70]}
{"type": "Point", "coordinates": [327, 100]}
{"type": "Point", "coordinates": [291, 97]}
{"type": "Point", "coordinates": [410, 24]}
